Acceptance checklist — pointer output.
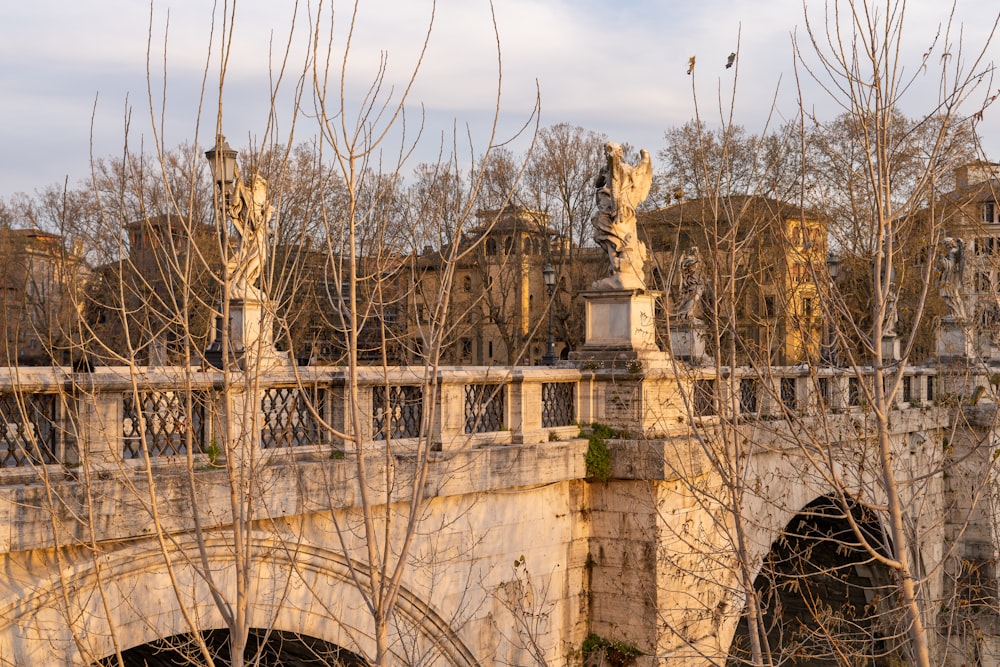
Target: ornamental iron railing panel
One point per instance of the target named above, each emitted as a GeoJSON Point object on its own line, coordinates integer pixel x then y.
{"type": "Point", "coordinates": [704, 398]}
{"type": "Point", "coordinates": [749, 388]}
{"type": "Point", "coordinates": [789, 396]}
{"type": "Point", "coordinates": [485, 407]}
{"type": "Point", "coordinates": [558, 404]}
{"type": "Point", "coordinates": [288, 417]}
{"type": "Point", "coordinates": [397, 411]}
{"type": "Point", "coordinates": [853, 392]}
{"type": "Point", "coordinates": [825, 392]}
{"type": "Point", "coordinates": [159, 422]}
{"type": "Point", "coordinates": [28, 433]}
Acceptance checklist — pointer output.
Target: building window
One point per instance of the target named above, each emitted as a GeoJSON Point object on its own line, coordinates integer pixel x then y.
{"type": "Point", "coordinates": [770, 308]}
{"type": "Point", "coordinates": [491, 247]}
{"type": "Point", "coordinates": [508, 245]}
{"type": "Point", "coordinates": [466, 348]}
{"type": "Point", "coordinates": [987, 245]}
{"type": "Point", "coordinates": [807, 308]}
{"type": "Point", "coordinates": [989, 211]}
{"type": "Point", "coordinates": [467, 283]}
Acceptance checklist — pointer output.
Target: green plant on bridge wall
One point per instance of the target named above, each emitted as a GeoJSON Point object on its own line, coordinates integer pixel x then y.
{"type": "Point", "coordinates": [615, 653]}
{"type": "Point", "coordinates": [598, 455]}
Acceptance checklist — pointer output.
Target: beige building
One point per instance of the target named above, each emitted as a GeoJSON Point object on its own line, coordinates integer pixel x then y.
{"type": "Point", "coordinates": [970, 212]}
{"type": "Point", "coordinates": [161, 293]}
{"type": "Point", "coordinates": [499, 301]}
{"type": "Point", "coordinates": [38, 282]}
{"type": "Point", "coordinates": [760, 260]}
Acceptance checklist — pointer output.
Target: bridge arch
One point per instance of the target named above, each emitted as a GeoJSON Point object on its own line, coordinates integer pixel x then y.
{"type": "Point", "coordinates": [268, 647]}
{"type": "Point", "coordinates": [299, 588]}
{"type": "Point", "coordinates": [824, 596]}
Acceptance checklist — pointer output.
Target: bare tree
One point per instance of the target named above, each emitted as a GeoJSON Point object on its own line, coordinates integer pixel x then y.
{"type": "Point", "coordinates": [331, 220]}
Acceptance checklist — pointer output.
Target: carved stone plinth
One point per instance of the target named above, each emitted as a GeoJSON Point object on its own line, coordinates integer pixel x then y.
{"type": "Point", "coordinates": [251, 342]}
{"type": "Point", "coordinates": [620, 327]}
{"type": "Point", "coordinates": [890, 348]}
{"type": "Point", "coordinates": [992, 352]}
{"type": "Point", "coordinates": [954, 340]}
{"type": "Point", "coordinates": [687, 340]}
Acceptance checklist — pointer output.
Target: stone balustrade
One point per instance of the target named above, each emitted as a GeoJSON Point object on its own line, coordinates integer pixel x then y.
{"type": "Point", "coordinates": [113, 416]}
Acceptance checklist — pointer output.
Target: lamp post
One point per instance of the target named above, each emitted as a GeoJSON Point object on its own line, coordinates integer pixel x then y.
{"type": "Point", "coordinates": [549, 275]}
{"type": "Point", "coordinates": [832, 270]}
{"type": "Point", "coordinates": [222, 160]}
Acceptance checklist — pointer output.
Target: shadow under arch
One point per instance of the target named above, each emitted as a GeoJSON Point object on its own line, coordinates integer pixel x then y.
{"type": "Point", "coordinates": [825, 597]}
{"type": "Point", "coordinates": [139, 596]}
{"type": "Point", "coordinates": [264, 649]}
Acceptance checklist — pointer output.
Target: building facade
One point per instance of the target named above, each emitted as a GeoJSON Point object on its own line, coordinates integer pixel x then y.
{"type": "Point", "coordinates": [762, 261]}
{"type": "Point", "coordinates": [39, 280]}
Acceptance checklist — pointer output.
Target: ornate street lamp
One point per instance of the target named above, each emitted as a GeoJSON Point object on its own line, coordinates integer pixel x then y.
{"type": "Point", "coordinates": [549, 275]}
{"type": "Point", "coordinates": [222, 160]}
{"type": "Point", "coordinates": [246, 206]}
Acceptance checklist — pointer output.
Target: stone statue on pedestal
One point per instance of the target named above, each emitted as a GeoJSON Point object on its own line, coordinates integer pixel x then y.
{"type": "Point", "coordinates": [250, 212]}
{"type": "Point", "coordinates": [619, 189]}
{"type": "Point", "coordinates": [246, 334]}
{"type": "Point", "coordinates": [692, 286]}
{"type": "Point", "coordinates": [891, 322]}
{"type": "Point", "coordinates": [950, 269]}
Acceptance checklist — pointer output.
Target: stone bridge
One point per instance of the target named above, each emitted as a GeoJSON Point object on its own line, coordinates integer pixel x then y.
{"type": "Point", "coordinates": [135, 500]}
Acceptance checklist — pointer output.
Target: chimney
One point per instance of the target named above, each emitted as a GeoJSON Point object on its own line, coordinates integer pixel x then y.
{"type": "Point", "coordinates": [962, 177]}
{"type": "Point", "coordinates": [975, 173]}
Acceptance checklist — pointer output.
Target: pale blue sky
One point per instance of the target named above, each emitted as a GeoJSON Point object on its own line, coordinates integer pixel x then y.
{"type": "Point", "coordinates": [72, 70]}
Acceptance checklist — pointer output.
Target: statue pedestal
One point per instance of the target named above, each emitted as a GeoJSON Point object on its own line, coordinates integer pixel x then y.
{"type": "Point", "coordinates": [620, 326]}
{"type": "Point", "coordinates": [890, 348]}
{"type": "Point", "coordinates": [687, 340]}
{"type": "Point", "coordinates": [251, 341]}
{"type": "Point", "coordinates": [992, 351]}
{"type": "Point", "coordinates": [954, 341]}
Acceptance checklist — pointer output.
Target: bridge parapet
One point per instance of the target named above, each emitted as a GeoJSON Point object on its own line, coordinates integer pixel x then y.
{"type": "Point", "coordinates": [116, 415]}
{"type": "Point", "coordinates": [666, 401]}
{"type": "Point", "coordinates": [493, 436]}
{"type": "Point", "coordinates": [113, 416]}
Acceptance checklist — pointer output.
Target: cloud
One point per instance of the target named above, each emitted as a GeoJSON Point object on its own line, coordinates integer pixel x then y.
{"type": "Point", "coordinates": [617, 68]}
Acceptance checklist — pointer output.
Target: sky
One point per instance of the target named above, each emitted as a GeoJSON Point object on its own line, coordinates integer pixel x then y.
{"type": "Point", "coordinates": [82, 79]}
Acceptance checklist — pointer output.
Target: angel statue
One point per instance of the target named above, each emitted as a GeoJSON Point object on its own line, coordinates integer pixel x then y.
{"type": "Point", "coordinates": [950, 266]}
{"type": "Point", "coordinates": [250, 213]}
{"type": "Point", "coordinates": [619, 189]}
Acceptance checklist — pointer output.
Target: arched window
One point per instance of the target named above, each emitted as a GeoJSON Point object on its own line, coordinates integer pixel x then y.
{"type": "Point", "coordinates": [491, 247]}
{"type": "Point", "coordinates": [508, 245]}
